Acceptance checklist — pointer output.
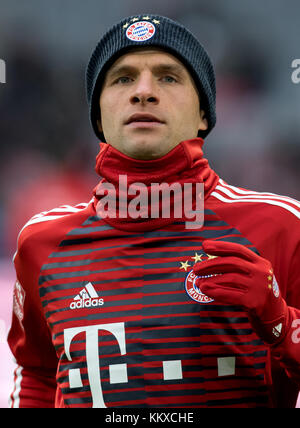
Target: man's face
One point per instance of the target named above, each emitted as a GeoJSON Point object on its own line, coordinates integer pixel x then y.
{"type": "Point", "coordinates": [149, 104]}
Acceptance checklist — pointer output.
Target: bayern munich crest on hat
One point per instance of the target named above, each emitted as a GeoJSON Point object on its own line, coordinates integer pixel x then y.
{"type": "Point", "coordinates": [140, 31]}
{"type": "Point", "coordinates": [193, 291]}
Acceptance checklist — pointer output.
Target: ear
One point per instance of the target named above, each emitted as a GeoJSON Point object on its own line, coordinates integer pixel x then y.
{"type": "Point", "coordinates": [203, 124]}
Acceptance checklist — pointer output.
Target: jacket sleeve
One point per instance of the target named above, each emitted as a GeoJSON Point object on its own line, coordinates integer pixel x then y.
{"type": "Point", "coordinates": [29, 338]}
{"type": "Point", "coordinates": [287, 353]}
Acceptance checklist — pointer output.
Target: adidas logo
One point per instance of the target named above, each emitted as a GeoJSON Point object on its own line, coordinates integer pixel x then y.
{"type": "Point", "coordinates": [87, 298]}
{"type": "Point", "coordinates": [277, 330]}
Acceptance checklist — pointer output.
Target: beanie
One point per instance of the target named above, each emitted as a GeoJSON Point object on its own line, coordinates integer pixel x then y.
{"type": "Point", "coordinates": [151, 31]}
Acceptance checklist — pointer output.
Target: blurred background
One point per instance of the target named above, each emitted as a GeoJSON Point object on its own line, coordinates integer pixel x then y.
{"type": "Point", "coordinates": [48, 149]}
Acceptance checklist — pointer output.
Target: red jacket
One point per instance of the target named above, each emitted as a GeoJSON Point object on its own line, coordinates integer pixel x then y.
{"type": "Point", "coordinates": [102, 312]}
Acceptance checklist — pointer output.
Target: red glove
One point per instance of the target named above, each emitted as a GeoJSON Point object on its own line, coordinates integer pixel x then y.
{"type": "Point", "coordinates": [241, 277]}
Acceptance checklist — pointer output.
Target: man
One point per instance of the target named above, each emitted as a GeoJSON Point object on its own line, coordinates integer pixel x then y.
{"type": "Point", "coordinates": [113, 309]}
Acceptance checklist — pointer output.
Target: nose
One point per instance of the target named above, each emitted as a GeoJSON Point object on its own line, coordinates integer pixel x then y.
{"type": "Point", "coordinates": [145, 90]}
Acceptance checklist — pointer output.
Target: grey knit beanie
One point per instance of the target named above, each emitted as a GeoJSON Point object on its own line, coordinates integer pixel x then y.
{"type": "Point", "coordinates": [155, 31]}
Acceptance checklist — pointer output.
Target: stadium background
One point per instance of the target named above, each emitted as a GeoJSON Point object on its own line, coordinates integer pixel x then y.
{"type": "Point", "coordinates": [47, 148]}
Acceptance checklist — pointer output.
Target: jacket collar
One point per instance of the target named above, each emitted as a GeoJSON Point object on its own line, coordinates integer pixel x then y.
{"type": "Point", "coordinates": [123, 178]}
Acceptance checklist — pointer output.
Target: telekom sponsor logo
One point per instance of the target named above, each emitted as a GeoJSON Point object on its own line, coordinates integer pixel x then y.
{"type": "Point", "coordinates": [92, 358]}
{"type": "Point", "coordinates": [118, 373]}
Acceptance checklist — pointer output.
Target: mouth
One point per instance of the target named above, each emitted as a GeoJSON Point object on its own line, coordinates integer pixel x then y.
{"type": "Point", "coordinates": [143, 120]}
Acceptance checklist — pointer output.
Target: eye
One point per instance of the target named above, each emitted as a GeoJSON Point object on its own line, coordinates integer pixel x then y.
{"type": "Point", "coordinates": [123, 79]}
{"type": "Point", "coordinates": [169, 79]}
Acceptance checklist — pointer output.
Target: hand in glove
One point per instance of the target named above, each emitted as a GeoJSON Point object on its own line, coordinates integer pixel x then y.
{"type": "Point", "coordinates": [241, 277]}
